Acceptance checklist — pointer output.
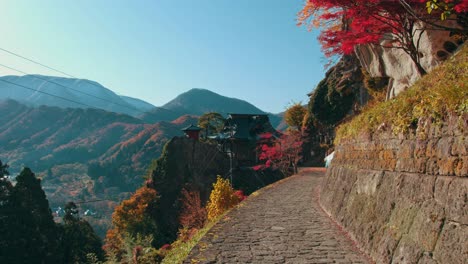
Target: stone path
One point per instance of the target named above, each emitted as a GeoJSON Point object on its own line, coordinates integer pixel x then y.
{"type": "Point", "coordinates": [282, 224]}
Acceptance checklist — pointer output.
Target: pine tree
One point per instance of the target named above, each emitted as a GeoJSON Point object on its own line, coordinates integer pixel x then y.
{"type": "Point", "coordinates": [5, 208]}
{"type": "Point", "coordinates": [79, 238]}
{"type": "Point", "coordinates": [3, 170]}
{"type": "Point", "coordinates": [31, 235]}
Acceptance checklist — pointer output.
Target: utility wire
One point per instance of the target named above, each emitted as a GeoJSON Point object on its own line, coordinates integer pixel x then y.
{"type": "Point", "coordinates": [73, 89]}
{"type": "Point", "coordinates": [97, 200]}
{"type": "Point", "coordinates": [72, 76]}
{"type": "Point", "coordinates": [38, 63]}
{"type": "Point", "coordinates": [39, 91]}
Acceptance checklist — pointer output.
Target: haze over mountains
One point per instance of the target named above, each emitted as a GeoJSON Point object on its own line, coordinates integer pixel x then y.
{"type": "Point", "coordinates": [81, 93]}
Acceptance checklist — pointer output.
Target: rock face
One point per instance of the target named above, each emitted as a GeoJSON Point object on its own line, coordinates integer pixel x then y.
{"type": "Point", "coordinates": [337, 97]}
{"type": "Point", "coordinates": [184, 163]}
{"type": "Point", "coordinates": [405, 197]}
{"type": "Point", "coordinates": [194, 165]}
{"type": "Point", "coordinates": [435, 47]}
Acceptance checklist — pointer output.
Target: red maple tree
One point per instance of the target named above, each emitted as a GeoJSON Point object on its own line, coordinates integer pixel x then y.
{"type": "Point", "coordinates": [281, 153]}
{"type": "Point", "coordinates": [348, 23]}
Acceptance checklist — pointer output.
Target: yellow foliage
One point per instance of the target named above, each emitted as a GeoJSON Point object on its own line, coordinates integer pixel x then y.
{"type": "Point", "coordinates": [222, 198]}
{"type": "Point", "coordinates": [294, 115]}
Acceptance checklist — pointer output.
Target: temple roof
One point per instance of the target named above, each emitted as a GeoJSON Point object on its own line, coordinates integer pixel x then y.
{"type": "Point", "coordinates": [246, 127]}
{"type": "Point", "coordinates": [191, 128]}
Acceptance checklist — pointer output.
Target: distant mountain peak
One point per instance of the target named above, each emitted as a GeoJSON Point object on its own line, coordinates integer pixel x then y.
{"type": "Point", "coordinates": [198, 101]}
{"type": "Point", "coordinates": [84, 92]}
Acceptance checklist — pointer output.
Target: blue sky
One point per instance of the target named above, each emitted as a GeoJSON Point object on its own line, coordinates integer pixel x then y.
{"type": "Point", "coordinates": [155, 50]}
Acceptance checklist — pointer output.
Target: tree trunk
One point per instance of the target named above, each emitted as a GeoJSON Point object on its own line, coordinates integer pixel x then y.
{"type": "Point", "coordinates": [420, 69]}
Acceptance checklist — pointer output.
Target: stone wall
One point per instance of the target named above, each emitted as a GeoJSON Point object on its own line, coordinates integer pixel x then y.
{"type": "Point", "coordinates": [404, 198]}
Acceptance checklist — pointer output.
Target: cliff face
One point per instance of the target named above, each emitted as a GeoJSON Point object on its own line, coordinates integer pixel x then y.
{"type": "Point", "coordinates": [435, 47]}
{"type": "Point", "coordinates": [194, 165]}
{"type": "Point", "coordinates": [339, 95]}
{"type": "Point", "coordinates": [184, 163]}
{"type": "Point", "coordinates": [404, 198]}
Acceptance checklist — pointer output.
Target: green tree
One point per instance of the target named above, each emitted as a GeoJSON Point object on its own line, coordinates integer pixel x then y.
{"type": "Point", "coordinates": [5, 215]}
{"type": "Point", "coordinates": [211, 123]}
{"type": "Point", "coordinates": [79, 239]}
{"type": "Point", "coordinates": [327, 104]}
{"type": "Point", "coordinates": [31, 235]}
{"type": "Point", "coordinates": [3, 169]}
{"type": "Point", "coordinates": [294, 115]}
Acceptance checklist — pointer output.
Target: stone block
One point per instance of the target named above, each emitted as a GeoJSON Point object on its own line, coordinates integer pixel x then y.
{"type": "Point", "coordinates": [462, 167]}
{"type": "Point", "coordinates": [452, 244]}
{"type": "Point", "coordinates": [405, 165]}
{"type": "Point", "coordinates": [427, 225]}
{"type": "Point", "coordinates": [432, 167]}
{"type": "Point", "coordinates": [457, 201]}
{"type": "Point", "coordinates": [420, 148]}
{"type": "Point", "coordinates": [408, 251]}
{"type": "Point", "coordinates": [412, 188]}
{"type": "Point", "coordinates": [420, 164]}
{"type": "Point", "coordinates": [444, 145]}
{"type": "Point", "coordinates": [431, 148]}
{"type": "Point", "coordinates": [367, 183]}
{"type": "Point", "coordinates": [388, 154]}
{"type": "Point", "coordinates": [457, 124]}
{"type": "Point", "coordinates": [460, 146]}
{"type": "Point", "coordinates": [447, 166]}
{"type": "Point", "coordinates": [406, 149]}
{"type": "Point", "coordinates": [427, 259]}
{"type": "Point", "coordinates": [384, 245]}
{"type": "Point", "coordinates": [441, 189]}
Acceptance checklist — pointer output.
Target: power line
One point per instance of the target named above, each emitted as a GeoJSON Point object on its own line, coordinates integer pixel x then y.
{"type": "Point", "coordinates": [73, 89]}
{"type": "Point", "coordinates": [96, 200]}
{"type": "Point", "coordinates": [38, 63]}
{"type": "Point", "coordinates": [39, 91]}
{"type": "Point", "coordinates": [72, 76]}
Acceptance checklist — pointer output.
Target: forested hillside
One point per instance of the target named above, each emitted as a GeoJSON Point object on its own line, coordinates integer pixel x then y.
{"type": "Point", "coordinates": [82, 154]}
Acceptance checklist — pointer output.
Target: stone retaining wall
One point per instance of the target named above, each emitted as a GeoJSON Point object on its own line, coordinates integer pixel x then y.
{"type": "Point", "coordinates": [404, 198]}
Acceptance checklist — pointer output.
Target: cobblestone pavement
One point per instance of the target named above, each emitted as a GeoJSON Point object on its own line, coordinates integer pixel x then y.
{"type": "Point", "coordinates": [282, 224]}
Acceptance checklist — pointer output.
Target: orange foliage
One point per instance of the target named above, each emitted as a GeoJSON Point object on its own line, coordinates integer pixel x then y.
{"type": "Point", "coordinates": [129, 217]}
{"type": "Point", "coordinates": [192, 215]}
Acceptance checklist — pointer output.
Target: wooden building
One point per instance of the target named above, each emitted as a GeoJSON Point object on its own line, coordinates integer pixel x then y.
{"type": "Point", "coordinates": [192, 132]}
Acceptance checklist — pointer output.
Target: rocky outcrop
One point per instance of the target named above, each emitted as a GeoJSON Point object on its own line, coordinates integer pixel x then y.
{"type": "Point", "coordinates": [184, 163]}
{"type": "Point", "coordinates": [435, 47]}
{"type": "Point", "coordinates": [194, 165]}
{"type": "Point", "coordinates": [338, 96]}
{"type": "Point", "coordinates": [404, 198]}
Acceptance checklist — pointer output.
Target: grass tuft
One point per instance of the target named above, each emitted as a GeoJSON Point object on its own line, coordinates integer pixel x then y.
{"type": "Point", "coordinates": [181, 249]}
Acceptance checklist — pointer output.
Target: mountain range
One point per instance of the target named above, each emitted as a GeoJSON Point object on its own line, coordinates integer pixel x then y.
{"type": "Point", "coordinates": [35, 90]}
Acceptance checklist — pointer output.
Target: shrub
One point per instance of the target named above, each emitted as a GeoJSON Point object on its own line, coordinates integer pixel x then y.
{"type": "Point", "coordinates": [222, 198]}
{"type": "Point", "coordinates": [240, 194]}
{"type": "Point", "coordinates": [192, 215]}
{"type": "Point", "coordinates": [132, 217]}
